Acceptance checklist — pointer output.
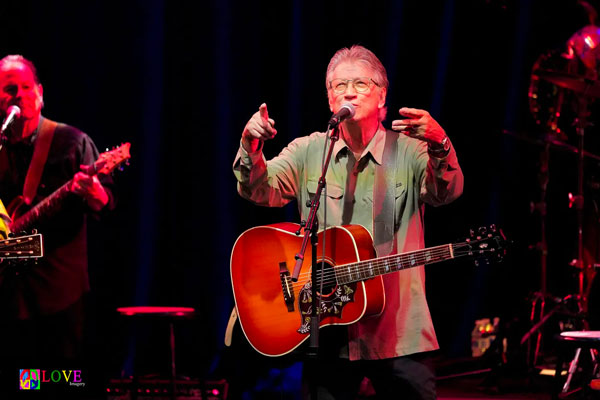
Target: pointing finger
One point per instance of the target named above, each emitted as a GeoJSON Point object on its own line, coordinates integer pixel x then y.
{"type": "Point", "coordinates": [264, 113]}
{"type": "Point", "coordinates": [268, 122]}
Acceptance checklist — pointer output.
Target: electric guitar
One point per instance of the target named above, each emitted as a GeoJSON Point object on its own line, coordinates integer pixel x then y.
{"type": "Point", "coordinates": [24, 220]}
{"type": "Point", "coordinates": [274, 311]}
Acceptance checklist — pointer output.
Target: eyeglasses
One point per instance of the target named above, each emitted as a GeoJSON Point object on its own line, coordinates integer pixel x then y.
{"type": "Point", "coordinates": [361, 84]}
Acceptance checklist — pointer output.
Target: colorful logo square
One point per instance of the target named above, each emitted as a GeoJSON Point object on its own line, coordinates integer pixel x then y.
{"type": "Point", "coordinates": [29, 379]}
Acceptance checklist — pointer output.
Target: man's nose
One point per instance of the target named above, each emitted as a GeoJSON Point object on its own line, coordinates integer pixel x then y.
{"type": "Point", "coordinates": [350, 91]}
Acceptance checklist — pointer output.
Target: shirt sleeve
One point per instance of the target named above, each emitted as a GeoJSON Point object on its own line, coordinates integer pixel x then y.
{"type": "Point", "coordinates": [272, 183]}
{"type": "Point", "coordinates": [88, 154]}
{"type": "Point", "coordinates": [441, 179]}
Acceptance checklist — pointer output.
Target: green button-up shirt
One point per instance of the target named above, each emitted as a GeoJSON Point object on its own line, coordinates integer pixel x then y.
{"type": "Point", "coordinates": [405, 326]}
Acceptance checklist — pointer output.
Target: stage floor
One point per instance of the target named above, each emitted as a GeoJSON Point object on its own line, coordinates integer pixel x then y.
{"type": "Point", "coordinates": [480, 388]}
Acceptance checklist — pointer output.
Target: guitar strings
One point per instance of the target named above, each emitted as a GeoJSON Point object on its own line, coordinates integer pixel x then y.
{"type": "Point", "coordinates": [364, 268]}
{"type": "Point", "coordinates": [369, 265]}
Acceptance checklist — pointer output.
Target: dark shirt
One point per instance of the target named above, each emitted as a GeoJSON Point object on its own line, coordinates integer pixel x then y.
{"type": "Point", "coordinates": [60, 278]}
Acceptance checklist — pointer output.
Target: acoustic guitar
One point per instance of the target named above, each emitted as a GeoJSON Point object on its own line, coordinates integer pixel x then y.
{"type": "Point", "coordinates": [21, 247]}
{"type": "Point", "coordinates": [274, 311]}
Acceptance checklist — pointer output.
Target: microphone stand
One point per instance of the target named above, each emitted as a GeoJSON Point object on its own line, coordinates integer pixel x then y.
{"type": "Point", "coordinates": [3, 138]}
{"type": "Point", "coordinates": [311, 228]}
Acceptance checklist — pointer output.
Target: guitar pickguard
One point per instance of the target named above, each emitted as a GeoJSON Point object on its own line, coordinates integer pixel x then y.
{"type": "Point", "coordinates": [331, 305]}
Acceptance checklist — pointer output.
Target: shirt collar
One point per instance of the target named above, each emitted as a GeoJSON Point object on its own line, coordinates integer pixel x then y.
{"type": "Point", "coordinates": [29, 141]}
{"type": "Point", "coordinates": [375, 146]}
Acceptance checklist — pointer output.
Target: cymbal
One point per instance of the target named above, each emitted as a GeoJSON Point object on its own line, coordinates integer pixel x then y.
{"type": "Point", "coordinates": [554, 143]}
{"type": "Point", "coordinates": [576, 83]}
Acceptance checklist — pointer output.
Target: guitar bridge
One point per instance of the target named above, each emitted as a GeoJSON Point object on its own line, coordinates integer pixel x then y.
{"type": "Point", "coordinates": [286, 286]}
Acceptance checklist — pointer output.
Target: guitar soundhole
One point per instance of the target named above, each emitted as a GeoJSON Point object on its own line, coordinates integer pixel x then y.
{"type": "Point", "coordinates": [333, 299]}
{"type": "Point", "coordinates": [329, 282]}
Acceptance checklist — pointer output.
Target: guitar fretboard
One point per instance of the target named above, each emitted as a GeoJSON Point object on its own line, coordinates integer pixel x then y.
{"type": "Point", "coordinates": [46, 207]}
{"type": "Point", "coordinates": [367, 269]}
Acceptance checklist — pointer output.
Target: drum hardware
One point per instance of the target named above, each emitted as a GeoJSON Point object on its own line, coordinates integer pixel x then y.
{"type": "Point", "coordinates": [576, 201]}
{"type": "Point", "coordinates": [580, 85]}
{"type": "Point", "coordinates": [555, 144]}
{"type": "Point", "coordinates": [573, 76]}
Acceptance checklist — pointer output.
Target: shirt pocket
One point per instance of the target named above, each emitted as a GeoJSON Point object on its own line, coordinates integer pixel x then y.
{"type": "Point", "coordinates": [334, 192]}
{"type": "Point", "coordinates": [400, 202]}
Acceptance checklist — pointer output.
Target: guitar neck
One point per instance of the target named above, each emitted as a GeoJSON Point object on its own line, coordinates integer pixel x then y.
{"type": "Point", "coordinates": [46, 207]}
{"type": "Point", "coordinates": [104, 165]}
{"type": "Point", "coordinates": [362, 270]}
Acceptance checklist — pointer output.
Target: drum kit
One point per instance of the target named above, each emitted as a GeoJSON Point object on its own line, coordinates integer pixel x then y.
{"type": "Point", "coordinates": [563, 87]}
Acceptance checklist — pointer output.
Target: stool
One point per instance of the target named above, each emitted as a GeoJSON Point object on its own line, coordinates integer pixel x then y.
{"type": "Point", "coordinates": [578, 341]}
{"type": "Point", "coordinates": [168, 313]}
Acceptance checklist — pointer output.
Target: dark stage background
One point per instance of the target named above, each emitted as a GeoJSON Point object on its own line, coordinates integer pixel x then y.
{"type": "Point", "coordinates": [179, 79]}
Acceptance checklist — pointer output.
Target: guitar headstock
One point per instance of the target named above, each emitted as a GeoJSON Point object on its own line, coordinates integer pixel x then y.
{"type": "Point", "coordinates": [28, 246]}
{"type": "Point", "coordinates": [112, 159]}
{"type": "Point", "coordinates": [487, 243]}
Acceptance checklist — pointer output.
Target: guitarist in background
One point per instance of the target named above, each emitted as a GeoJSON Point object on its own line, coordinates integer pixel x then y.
{"type": "Point", "coordinates": [41, 305]}
{"type": "Point", "coordinates": [389, 349]}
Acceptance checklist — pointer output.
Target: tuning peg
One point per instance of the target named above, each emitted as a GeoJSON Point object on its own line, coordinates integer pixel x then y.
{"type": "Point", "coordinates": [493, 228]}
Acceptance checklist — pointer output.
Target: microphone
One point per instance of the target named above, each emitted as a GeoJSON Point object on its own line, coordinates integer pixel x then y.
{"type": "Point", "coordinates": [345, 112]}
{"type": "Point", "coordinates": [12, 113]}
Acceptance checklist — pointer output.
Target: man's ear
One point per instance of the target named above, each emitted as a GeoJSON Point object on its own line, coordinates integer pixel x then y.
{"type": "Point", "coordinates": [382, 97]}
{"type": "Point", "coordinates": [41, 90]}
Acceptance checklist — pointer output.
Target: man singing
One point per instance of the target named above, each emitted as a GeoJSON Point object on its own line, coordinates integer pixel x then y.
{"type": "Point", "coordinates": [373, 173]}
{"type": "Point", "coordinates": [41, 305]}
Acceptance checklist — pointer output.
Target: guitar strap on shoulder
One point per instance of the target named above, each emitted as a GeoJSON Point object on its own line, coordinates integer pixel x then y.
{"type": "Point", "coordinates": [40, 154]}
{"type": "Point", "coordinates": [384, 197]}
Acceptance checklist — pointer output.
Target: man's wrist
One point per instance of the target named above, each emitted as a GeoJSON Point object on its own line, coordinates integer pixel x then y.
{"type": "Point", "coordinates": [251, 145]}
{"type": "Point", "coordinates": [440, 150]}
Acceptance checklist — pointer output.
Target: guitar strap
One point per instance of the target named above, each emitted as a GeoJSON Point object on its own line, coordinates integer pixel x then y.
{"type": "Point", "coordinates": [384, 197]}
{"type": "Point", "coordinates": [40, 154]}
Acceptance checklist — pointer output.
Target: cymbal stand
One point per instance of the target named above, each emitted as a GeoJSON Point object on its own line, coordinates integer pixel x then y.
{"type": "Point", "coordinates": [542, 246]}
{"type": "Point", "coordinates": [576, 200]}
{"type": "Point", "coordinates": [581, 123]}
